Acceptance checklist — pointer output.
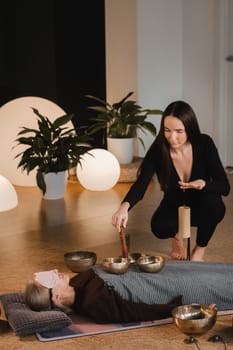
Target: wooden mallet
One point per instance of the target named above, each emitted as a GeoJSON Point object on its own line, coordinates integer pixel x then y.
{"type": "Point", "coordinates": [125, 248]}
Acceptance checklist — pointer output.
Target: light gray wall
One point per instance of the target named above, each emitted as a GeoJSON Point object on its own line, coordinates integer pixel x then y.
{"type": "Point", "coordinates": [178, 50]}
{"type": "Point", "coordinates": [200, 67]}
{"type": "Point", "coordinates": [159, 55]}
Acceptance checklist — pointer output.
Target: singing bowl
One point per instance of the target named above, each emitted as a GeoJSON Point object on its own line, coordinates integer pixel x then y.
{"type": "Point", "coordinates": [194, 319]}
{"type": "Point", "coordinates": [151, 263]}
{"type": "Point", "coordinates": [117, 265]}
{"type": "Point", "coordinates": [79, 261]}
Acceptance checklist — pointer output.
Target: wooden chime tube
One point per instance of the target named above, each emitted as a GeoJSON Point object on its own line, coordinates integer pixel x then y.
{"type": "Point", "coordinates": [184, 219]}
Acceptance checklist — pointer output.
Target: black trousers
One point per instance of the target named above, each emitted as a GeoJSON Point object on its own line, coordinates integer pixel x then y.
{"type": "Point", "coordinates": [207, 210]}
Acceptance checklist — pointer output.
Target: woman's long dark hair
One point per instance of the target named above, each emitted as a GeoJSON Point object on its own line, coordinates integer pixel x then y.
{"type": "Point", "coordinates": [184, 112]}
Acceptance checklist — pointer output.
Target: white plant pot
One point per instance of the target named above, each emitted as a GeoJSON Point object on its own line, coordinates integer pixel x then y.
{"type": "Point", "coordinates": [123, 149]}
{"type": "Point", "coordinates": [55, 185]}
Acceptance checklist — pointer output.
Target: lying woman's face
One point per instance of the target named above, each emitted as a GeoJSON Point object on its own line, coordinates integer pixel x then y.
{"type": "Point", "coordinates": [46, 288]}
{"type": "Point", "coordinates": [57, 282]}
{"type": "Point", "coordinates": [62, 285]}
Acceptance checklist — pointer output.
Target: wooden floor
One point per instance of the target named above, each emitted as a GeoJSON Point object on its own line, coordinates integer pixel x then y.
{"type": "Point", "coordinates": [36, 234]}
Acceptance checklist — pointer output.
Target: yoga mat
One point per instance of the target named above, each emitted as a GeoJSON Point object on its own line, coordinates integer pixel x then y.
{"type": "Point", "coordinates": [82, 326]}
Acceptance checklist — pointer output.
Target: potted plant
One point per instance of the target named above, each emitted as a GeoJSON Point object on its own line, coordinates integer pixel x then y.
{"type": "Point", "coordinates": [121, 122]}
{"type": "Point", "coordinates": [53, 148]}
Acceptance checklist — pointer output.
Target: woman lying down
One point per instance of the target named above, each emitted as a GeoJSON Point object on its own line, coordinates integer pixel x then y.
{"type": "Point", "coordinates": [134, 296]}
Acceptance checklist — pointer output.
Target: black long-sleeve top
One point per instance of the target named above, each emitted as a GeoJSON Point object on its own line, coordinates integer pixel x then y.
{"type": "Point", "coordinates": [206, 165]}
{"type": "Point", "coordinates": [95, 299]}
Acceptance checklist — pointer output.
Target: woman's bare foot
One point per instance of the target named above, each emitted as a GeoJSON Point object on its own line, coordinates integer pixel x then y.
{"type": "Point", "coordinates": [198, 254]}
{"type": "Point", "coordinates": [178, 249]}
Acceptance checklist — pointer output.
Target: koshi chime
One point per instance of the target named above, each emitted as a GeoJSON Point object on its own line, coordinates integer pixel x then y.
{"type": "Point", "coordinates": [184, 217]}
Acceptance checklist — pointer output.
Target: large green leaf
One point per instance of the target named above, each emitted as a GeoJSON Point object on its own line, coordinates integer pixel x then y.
{"type": "Point", "coordinates": [62, 120]}
{"type": "Point", "coordinates": [41, 181]}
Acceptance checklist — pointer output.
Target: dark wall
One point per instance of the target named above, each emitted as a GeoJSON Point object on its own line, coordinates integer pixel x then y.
{"type": "Point", "coordinates": [56, 50]}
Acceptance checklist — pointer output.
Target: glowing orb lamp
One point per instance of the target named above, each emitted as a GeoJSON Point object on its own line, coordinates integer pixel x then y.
{"type": "Point", "coordinates": [8, 195]}
{"type": "Point", "coordinates": [99, 170]}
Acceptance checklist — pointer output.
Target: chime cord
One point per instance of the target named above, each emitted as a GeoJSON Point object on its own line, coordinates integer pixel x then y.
{"type": "Point", "coordinates": [192, 340]}
{"type": "Point", "coordinates": [216, 338]}
{"type": "Point", "coordinates": [197, 346]}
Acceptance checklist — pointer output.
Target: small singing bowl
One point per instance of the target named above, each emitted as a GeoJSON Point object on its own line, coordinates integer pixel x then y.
{"type": "Point", "coordinates": [117, 265]}
{"type": "Point", "coordinates": [151, 263]}
{"type": "Point", "coordinates": [79, 261]}
{"type": "Point", "coordinates": [194, 319]}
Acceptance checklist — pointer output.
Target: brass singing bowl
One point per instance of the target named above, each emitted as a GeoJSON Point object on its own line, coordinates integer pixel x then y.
{"type": "Point", "coordinates": [194, 319]}
{"type": "Point", "coordinates": [117, 265]}
{"type": "Point", "coordinates": [79, 261]}
{"type": "Point", "coordinates": [151, 263]}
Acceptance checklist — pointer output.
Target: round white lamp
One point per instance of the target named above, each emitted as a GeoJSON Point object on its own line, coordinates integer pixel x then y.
{"type": "Point", "coordinates": [8, 195]}
{"type": "Point", "coordinates": [99, 170]}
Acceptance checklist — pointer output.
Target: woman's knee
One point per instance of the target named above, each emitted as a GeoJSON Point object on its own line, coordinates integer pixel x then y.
{"type": "Point", "coordinates": [163, 229]}
{"type": "Point", "coordinates": [164, 222]}
{"type": "Point", "coordinates": [213, 207]}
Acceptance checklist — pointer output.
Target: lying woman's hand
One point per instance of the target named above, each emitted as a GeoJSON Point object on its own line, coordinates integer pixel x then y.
{"type": "Point", "coordinates": [120, 218]}
{"type": "Point", "coordinates": [196, 184]}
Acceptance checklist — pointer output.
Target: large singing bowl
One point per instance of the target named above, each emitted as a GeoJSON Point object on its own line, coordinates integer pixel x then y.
{"type": "Point", "coordinates": [79, 261]}
{"type": "Point", "coordinates": [194, 319]}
